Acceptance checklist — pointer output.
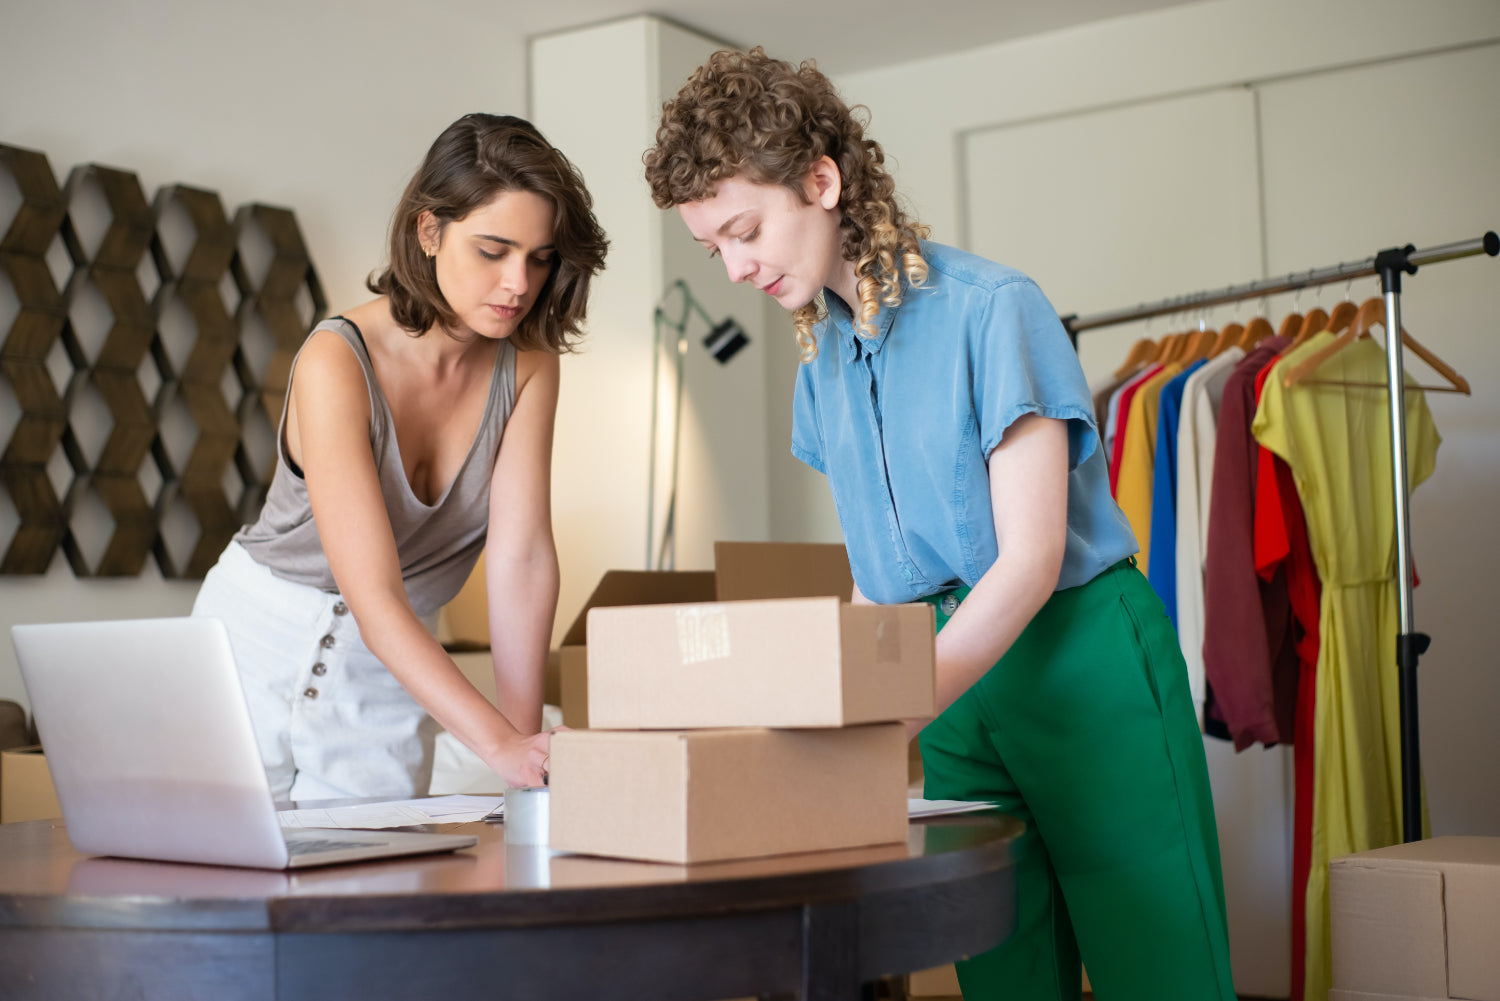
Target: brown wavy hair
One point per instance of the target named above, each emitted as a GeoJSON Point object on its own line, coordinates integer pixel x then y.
{"type": "Point", "coordinates": [475, 159]}
{"type": "Point", "coordinates": [746, 114]}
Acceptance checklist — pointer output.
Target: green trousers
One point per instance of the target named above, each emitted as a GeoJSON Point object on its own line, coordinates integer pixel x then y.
{"type": "Point", "coordinates": [1086, 731]}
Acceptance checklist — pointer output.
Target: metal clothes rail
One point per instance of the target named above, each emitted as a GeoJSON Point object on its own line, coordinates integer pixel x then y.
{"type": "Point", "coordinates": [1389, 265]}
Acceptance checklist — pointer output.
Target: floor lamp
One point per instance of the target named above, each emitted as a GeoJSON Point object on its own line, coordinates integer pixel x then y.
{"type": "Point", "coordinates": [724, 340]}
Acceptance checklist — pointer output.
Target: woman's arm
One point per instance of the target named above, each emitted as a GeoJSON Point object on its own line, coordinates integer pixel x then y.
{"type": "Point", "coordinates": [521, 574]}
{"type": "Point", "coordinates": [332, 416]}
{"type": "Point", "coordinates": [1029, 493]}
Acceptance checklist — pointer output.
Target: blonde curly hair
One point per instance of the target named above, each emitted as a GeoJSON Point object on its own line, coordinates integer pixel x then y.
{"type": "Point", "coordinates": [746, 114]}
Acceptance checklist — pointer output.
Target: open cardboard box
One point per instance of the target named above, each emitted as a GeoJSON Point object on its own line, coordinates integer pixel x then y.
{"type": "Point", "coordinates": [742, 570]}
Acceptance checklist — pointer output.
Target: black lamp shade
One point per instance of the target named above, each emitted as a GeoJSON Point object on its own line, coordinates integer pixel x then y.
{"type": "Point", "coordinates": [725, 340]}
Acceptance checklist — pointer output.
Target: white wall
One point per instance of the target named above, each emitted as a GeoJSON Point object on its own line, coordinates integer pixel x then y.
{"type": "Point", "coordinates": [723, 491]}
{"type": "Point", "coordinates": [325, 108]}
{"type": "Point", "coordinates": [603, 426]}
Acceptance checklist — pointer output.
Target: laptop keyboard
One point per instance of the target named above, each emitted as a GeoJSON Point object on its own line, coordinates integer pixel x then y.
{"type": "Point", "coordinates": [304, 845]}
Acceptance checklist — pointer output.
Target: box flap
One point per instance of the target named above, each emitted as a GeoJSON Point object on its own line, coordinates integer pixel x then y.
{"type": "Point", "coordinates": [749, 570]}
{"type": "Point", "coordinates": [641, 587]}
{"type": "Point", "coordinates": [1438, 852]}
{"type": "Point", "coordinates": [1341, 995]}
{"type": "Point", "coordinates": [1386, 924]}
{"type": "Point", "coordinates": [1473, 911]}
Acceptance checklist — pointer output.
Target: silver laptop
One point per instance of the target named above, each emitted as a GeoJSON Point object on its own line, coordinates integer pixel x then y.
{"type": "Point", "coordinates": [151, 749]}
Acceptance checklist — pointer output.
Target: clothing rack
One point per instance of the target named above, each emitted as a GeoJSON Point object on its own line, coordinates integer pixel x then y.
{"type": "Point", "coordinates": [1389, 265]}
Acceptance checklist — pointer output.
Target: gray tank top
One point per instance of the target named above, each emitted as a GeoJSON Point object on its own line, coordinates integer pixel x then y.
{"type": "Point", "coordinates": [439, 544]}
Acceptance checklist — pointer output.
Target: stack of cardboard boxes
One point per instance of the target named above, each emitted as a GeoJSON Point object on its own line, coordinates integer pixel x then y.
{"type": "Point", "coordinates": [737, 728]}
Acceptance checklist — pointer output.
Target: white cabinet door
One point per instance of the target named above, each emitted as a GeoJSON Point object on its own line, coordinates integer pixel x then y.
{"type": "Point", "coordinates": [1109, 208]}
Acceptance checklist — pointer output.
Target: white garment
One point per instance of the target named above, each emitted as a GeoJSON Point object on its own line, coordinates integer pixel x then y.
{"type": "Point", "coordinates": [331, 720]}
{"type": "Point", "coordinates": [1112, 412]}
{"type": "Point", "coordinates": [1197, 431]}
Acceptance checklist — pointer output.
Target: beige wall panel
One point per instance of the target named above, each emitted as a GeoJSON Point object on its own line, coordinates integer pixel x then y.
{"type": "Point", "coordinates": [1113, 207]}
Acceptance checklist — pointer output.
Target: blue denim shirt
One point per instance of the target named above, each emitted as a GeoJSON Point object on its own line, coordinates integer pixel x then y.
{"type": "Point", "coordinates": [903, 423]}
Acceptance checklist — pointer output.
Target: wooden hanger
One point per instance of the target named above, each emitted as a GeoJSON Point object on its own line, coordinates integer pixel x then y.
{"type": "Point", "coordinates": [1140, 353]}
{"type": "Point", "coordinates": [1370, 314]}
{"type": "Point", "coordinates": [1290, 326]}
{"type": "Point", "coordinates": [1342, 314]}
{"type": "Point", "coordinates": [1230, 335]}
{"type": "Point", "coordinates": [1314, 322]}
{"type": "Point", "coordinates": [1170, 345]}
{"type": "Point", "coordinates": [1200, 343]}
{"type": "Point", "coordinates": [1256, 331]}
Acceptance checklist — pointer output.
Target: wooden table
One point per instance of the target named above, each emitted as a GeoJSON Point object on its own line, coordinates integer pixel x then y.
{"type": "Point", "coordinates": [499, 921]}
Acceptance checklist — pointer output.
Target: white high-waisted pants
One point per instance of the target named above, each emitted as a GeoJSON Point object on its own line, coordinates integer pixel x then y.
{"type": "Point", "coordinates": [331, 720]}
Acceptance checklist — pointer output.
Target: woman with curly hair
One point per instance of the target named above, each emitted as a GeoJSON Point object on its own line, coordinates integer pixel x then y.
{"type": "Point", "coordinates": [417, 428]}
{"type": "Point", "coordinates": [940, 396]}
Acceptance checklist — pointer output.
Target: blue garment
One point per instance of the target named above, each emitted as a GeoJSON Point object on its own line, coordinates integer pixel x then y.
{"type": "Point", "coordinates": [1162, 569]}
{"type": "Point", "coordinates": [903, 424]}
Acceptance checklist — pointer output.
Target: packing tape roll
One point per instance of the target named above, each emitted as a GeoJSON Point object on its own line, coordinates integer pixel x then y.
{"type": "Point", "coordinates": [526, 810]}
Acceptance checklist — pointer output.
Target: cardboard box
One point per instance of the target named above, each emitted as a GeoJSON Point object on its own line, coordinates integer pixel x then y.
{"type": "Point", "coordinates": [616, 588]}
{"type": "Point", "coordinates": [26, 791]}
{"type": "Point", "coordinates": [742, 570]}
{"type": "Point", "coordinates": [710, 795]}
{"type": "Point", "coordinates": [794, 662]}
{"type": "Point", "coordinates": [1417, 922]}
{"type": "Point", "coordinates": [573, 684]}
{"type": "Point", "coordinates": [938, 982]}
{"type": "Point", "coordinates": [942, 982]}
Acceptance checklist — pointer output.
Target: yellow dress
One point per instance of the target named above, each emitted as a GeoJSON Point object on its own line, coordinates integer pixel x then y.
{"type": "Point", "coordinates": [1138, 458]}
{"type": "Point", "coordinates": [1336, 439]}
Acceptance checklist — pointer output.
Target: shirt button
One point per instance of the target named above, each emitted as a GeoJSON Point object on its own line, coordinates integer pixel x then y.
{"type": "Point", "coordinates": [311, 693]}
{"type": "Point", "coordinates": [320, 669]}
{"type": "Point", "coordinates": [340, 608]}
{"type": "Point", "coordinates": [949, 604]}
{"type": "Point", "coordinates": [327, 641]}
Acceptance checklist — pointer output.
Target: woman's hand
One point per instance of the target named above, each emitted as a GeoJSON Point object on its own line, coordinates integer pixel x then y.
{"type": "Point", "coordinates": [523, 762]}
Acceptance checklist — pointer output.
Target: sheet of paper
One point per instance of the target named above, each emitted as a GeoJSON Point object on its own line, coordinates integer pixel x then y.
{"type": "Point", "coordinates": [456, 809]}
{"type": "Point", "coordinates": [941, 807]}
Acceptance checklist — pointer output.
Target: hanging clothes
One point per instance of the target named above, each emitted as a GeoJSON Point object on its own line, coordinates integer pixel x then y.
{"type": "Point", "coordinates": [1248, 653]}
{"type": "Point", "coordinates": [1336, 441]}
{"type": "Point", "coordinates": [1119, 408]}
{"type": "Point", "coordinates": [1137, 459]}
{"type": "Point", "coordinates": [1163, 572]}
{"type": "Point", "coordinates": [1196, 436]}
{"type": "Point", "coordinates": [1281, 541]}
{"type": "Point", "coordinates": [1101, 392]}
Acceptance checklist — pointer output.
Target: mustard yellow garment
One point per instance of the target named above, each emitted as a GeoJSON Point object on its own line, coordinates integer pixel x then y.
{"type": "Point", "coordinates": [1138, 459]}
{"type": "Point", "coordinates": [1336, 439]}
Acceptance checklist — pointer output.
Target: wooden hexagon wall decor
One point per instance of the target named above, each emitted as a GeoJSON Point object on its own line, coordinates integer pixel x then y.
{"type": "Point", "coordinates": [123, 329]}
